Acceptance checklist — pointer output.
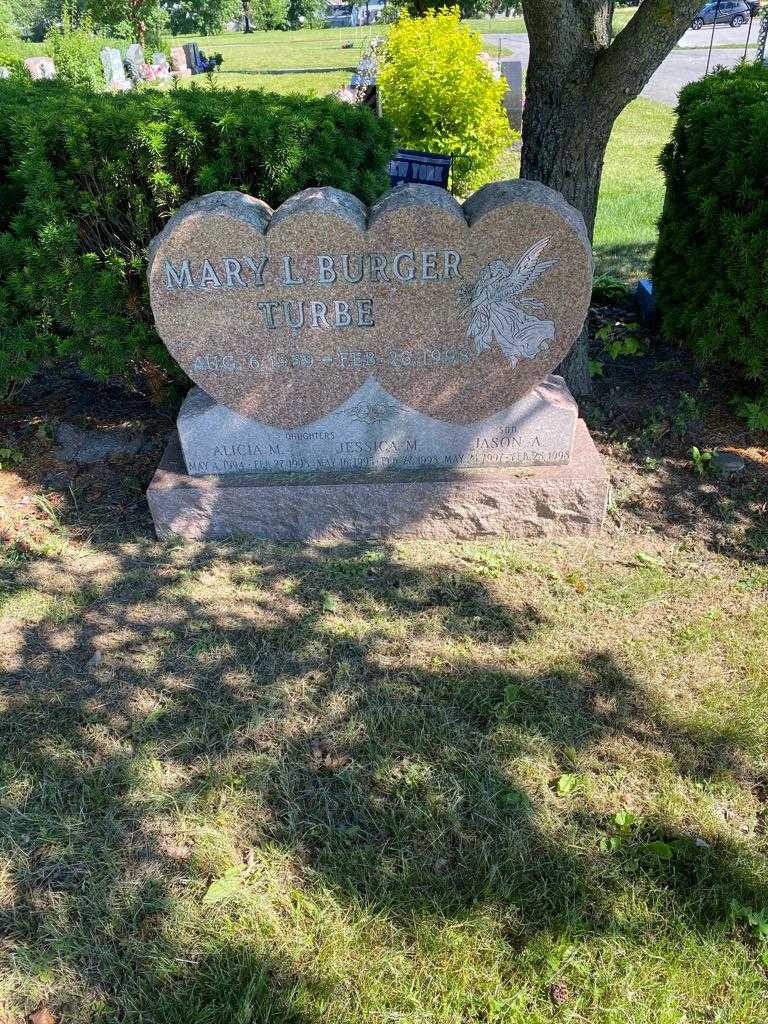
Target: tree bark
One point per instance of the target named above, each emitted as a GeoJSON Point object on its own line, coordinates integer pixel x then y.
{"type": "Point", "coordinates": [564, 147]}
{"type": "Point", "coordinates": [579, 80]}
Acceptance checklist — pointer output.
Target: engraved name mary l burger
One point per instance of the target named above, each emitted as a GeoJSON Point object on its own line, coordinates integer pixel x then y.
{"type": "Point", "coordinates": [498, 309]}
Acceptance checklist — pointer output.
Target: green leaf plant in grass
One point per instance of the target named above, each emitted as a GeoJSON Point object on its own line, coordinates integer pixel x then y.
{"type": "Point", "coordinates": [10, 457]}
{"type": "Point", "coordinates": [623, 824]}
{"type": "Point", "coordinates": [622, 339]}
{"type": "Point", "coordinates": [651, 560]}
{"type": "Point", "coordinates": [567, 783]}
{"type": "Point", "coordinates": [227, 887]}
{"type": "Point", "coordinates": [756, 922]}
{"type": "Point", "coordinates": [702, 460]}
{"type": "Point", "coordinates": [659, 848]}
{"type": "Point", "coordinates": [754, 412]}
{"type": "Point", "coordinates": [626, 830]}
{"type": "Point", "coordinates": [607, 289]}
{"type": "Point", "coordinates": [515, 800]}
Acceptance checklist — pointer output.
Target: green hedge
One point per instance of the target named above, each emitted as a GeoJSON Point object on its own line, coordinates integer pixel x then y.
{"type": "Point", "coordinates": [87, 180]}
{"type": "Point", "coordinates": [711, 266]}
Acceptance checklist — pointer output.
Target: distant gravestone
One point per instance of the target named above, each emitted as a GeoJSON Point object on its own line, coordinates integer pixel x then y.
{"type": "Point", "coordinates": [362, 372]}
{"type": "Point", "coordinates": [491, 63]}
{"type": "Point", "coordinates": [179, 66]}
{"type": "Point", "coordinates": [194, 58]}
{"type": "Point", "coordinates": [114, 70]}
{"type": "Point", "coordinates": [161, 66]}
{"type": "Point", "coordinates": [40, 68]}
{"type": "Point", "coordinates": [512, 70]}
{"type": "Point", "coordinates": [134, 58]}
{"type": "Point", "coordinates": [411, 166]}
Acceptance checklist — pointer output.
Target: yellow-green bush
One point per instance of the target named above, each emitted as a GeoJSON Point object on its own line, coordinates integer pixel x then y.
{"type": "Point", "coordinates": [442, 97]}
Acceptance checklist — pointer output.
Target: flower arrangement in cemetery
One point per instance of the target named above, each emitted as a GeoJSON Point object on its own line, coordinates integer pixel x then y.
{"type": "Point", "coordinates": [442, 97]}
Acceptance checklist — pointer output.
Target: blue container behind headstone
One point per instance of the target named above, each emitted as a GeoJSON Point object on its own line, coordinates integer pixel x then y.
{"type": "Point", "coordinates": [411, 165]}
{"type": "Point", "coordinates": [646, 300]}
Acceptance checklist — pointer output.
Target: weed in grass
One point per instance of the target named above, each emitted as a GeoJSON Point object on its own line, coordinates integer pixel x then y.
{"type": "Point", "coordinates": [701, 460]}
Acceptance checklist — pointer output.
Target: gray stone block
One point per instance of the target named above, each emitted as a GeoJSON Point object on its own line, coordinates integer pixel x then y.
{"type": "Point", "coordinates": [90, 446]}
{"type": "Point", "coordinates": [446, 504]}
{"type": "Point", "coordinates": [372, 431]}
{"type": "Point", "coordinates": [512, 70]}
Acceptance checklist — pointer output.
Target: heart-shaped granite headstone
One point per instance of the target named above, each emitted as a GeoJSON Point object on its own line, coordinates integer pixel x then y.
{"type": "Point", "coordinates": [455, 310]}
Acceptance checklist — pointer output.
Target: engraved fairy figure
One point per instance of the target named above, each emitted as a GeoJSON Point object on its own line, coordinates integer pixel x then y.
{"type": "Point", "coordinates": [499, 312]}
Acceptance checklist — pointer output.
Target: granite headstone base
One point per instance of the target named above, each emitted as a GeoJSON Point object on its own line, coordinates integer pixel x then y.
{"type": "Point", "coordinates": [445, 504]}
{"type": "Point", "coordinates": [372, 432]}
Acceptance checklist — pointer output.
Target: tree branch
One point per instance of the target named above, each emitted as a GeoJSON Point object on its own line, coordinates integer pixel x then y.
{"type": "Point", "coordinates": [623, 69]}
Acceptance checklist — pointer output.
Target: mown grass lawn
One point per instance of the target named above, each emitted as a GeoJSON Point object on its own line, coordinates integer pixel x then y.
{"type": "Point", "coordinates": [457, 783]}
{"type": "Point", "coordinates": [632, 190]}
{"type": "Point", "coordinates": [304, 61]}
{"type": "Point", "coordinates": [621, 16]}
{"type": "Point", "coordinates": [320, 59]}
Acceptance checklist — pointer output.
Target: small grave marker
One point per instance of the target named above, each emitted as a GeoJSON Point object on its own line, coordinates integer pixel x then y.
{"type": "Point", "coordinates": [114, 70]}
{"type": "Point", "coordinates": [512, 70]}
{"type": "Point", "coordinates": [40, 68]}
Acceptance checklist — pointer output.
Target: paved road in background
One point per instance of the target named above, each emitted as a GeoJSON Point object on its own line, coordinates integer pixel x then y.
{"type": "Point", "coordinates": [724, 36]}
{"type": "Point", "coordinates": [681, 67]}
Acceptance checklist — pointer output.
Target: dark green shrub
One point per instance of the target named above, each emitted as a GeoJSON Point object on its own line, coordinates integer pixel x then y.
{"type": "Point", "coordinates": [201, 17]}
{"type": "Point", "coordinates": [268, 15]}
{"type": "Point", "coordinates": [711, 265]}
{"type": "Point", "coordinates": [86, 181]}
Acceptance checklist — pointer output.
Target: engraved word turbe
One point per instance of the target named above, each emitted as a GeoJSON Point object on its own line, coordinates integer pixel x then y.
{"type": "Point", "coordinates": [455, 311]}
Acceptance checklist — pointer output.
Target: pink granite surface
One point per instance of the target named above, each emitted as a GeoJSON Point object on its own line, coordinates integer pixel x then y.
{"type": "Point", "coordinates": [536, 502]}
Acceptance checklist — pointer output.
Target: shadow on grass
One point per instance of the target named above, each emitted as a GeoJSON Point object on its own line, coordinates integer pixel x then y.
{"type": "Point", "coordinates": [627, 262]}
{"type": "Point", "coordinates": [386, 781]}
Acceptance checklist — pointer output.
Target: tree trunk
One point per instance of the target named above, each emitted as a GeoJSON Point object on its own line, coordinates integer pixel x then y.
{"type": "Point", "coordinates": [564, 148]}
{"type": "Point", "coordinates": [578, 82]}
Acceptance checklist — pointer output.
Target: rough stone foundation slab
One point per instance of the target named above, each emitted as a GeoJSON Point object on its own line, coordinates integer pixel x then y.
{"type": "Point", "coordinates": [456, 505]}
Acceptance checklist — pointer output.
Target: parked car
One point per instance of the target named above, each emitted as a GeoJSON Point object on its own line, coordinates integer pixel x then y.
{"type": "Point", "coordinates": [726, 12]}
